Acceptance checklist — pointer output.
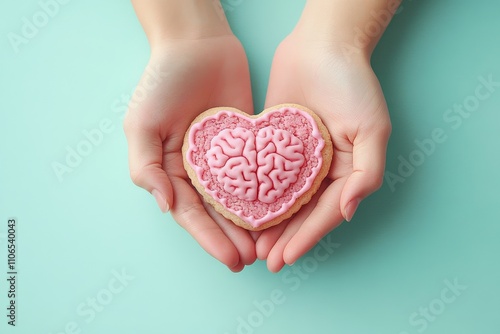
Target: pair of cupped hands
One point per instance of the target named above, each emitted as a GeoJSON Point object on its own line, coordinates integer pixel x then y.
{"type": "Point", "coordinates": [185, 77]}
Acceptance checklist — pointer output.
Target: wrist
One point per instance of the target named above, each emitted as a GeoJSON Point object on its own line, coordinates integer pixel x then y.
{"type": "Point", "coordinates": [187, 19]}
{"type": "Point", "coordinates": [355, 26]}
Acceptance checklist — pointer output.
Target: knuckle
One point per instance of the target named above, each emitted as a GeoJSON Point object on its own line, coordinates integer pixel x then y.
{"type": "Point", "coordinates": [136, 177]}
{"type": "Point", "coordinates": [379, 183]}
{"type": "Point", "coordinates": [189, 213]}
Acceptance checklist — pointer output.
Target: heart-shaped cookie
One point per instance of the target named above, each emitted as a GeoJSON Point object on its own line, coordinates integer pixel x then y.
{"type": "Point", "coordinates": [257, 170]}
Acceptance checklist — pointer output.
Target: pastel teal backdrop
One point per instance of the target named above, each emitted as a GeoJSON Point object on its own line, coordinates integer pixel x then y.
{"type": "Point", "coordinates": [95, 255]}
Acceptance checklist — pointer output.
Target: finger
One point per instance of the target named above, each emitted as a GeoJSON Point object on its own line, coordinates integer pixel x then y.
{"type": "Point", "coordinates": [255, 235]}
{"type": "Point", "coordinates": [267, 240]}
{"type": "Point", "coordinates": [369, 154]}
{"type": "Point", "coordinates": [323, 218]}
{"type": "Point", "coordinates": [275, 259]}
{"type": "Point", "coordinates": [239, 267]}
{"type": "Point", "coordinates": [240, 238]}
{"type": "Point", "coordinates": [145, 150]}
{"type": "Point", "coordinates": [190, 213]}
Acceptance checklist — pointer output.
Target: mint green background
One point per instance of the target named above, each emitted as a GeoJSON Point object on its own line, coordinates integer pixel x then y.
{"type": "Point", "coordinates": [442, 223]}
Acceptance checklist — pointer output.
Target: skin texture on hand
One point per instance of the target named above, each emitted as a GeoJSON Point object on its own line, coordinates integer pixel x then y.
{"type": "Point", "coordinates": [310, 68]}
{"type": "Point", "coordinates": [189, 71]}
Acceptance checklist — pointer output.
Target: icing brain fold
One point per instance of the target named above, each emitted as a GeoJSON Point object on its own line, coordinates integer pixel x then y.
{"type": "Point", "coordinates": [256, 168]}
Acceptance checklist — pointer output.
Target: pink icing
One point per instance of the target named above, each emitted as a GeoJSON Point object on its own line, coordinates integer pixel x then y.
{"type": "Point", "coordinates": [256, 167]}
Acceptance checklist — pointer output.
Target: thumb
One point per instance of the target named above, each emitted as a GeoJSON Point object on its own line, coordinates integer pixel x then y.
{"type": "Point", "coordinates": [369, 153]}
{"type": "Point", "coordinates": [145, 149]}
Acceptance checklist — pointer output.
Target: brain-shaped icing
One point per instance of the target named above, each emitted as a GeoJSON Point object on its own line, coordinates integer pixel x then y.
{"type": "Point", "coordinates": [257, 167]}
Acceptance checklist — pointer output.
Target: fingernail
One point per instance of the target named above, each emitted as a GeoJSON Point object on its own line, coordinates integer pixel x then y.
{"type": "Point", "coordinates": [162, 202]}
{"type": "Point", "coordinates": [351, 208]}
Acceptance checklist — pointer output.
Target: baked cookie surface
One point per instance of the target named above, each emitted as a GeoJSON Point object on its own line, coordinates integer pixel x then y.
{"type": "Point", "coordinates": [257, 170]}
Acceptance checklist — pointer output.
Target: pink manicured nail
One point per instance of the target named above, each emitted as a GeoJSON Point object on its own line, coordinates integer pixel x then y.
{"type": "Point", "coordinates": [351, 208]}
{"type": "Point", "coordinates": [162, 203]}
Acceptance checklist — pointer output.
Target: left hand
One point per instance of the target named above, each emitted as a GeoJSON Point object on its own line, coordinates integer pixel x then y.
{"type": "Point", "coordinates": [346, 95]}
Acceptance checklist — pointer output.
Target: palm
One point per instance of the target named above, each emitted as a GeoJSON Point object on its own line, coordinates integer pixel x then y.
{"type": "Point", "coordinates": [349, 100]}
{"type": "Point", "coordinates": [192, 76]}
